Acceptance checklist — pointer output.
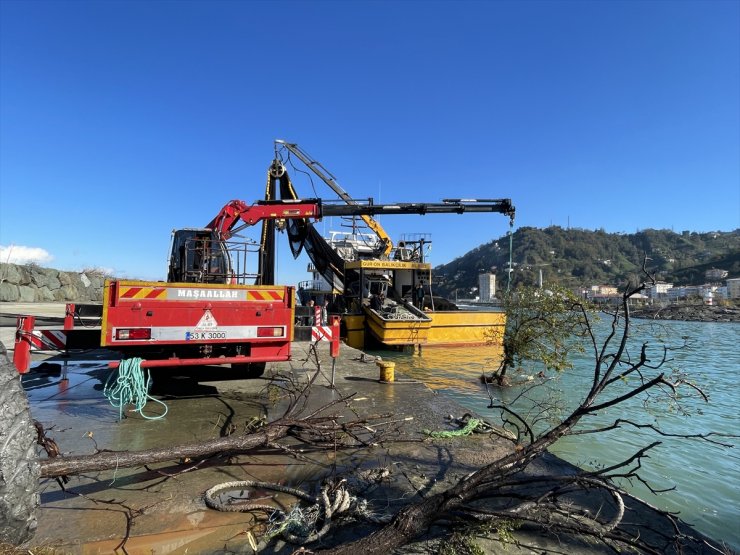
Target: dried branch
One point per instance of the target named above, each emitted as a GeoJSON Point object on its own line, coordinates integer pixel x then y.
{"type": "Point", "coordinates": [619, 421]}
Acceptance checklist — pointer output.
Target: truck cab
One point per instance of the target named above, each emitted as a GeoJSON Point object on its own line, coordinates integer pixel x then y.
{"type": "Point", "coordinates": [198, 256]}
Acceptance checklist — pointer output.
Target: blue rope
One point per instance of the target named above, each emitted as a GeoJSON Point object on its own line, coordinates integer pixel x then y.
{"type": "Point", "coordinates": [129, 385]}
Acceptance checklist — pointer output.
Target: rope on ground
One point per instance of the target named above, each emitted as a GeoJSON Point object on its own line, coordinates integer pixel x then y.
{"type": "Point", "coordinates": [302, 525]}
{"type": "Point", "coordinates": [469, 425]}
{"type": "Point", "coordinates": [469, 428]}
{"type": "Point", "coordinates": [129, 385]}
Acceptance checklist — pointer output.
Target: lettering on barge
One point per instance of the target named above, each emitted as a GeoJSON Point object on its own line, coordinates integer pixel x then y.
{"type": "Point", "coordinates": [194, 294]}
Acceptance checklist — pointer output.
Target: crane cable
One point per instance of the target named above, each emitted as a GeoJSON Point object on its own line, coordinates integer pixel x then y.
{"type": "Point", "coordinates": [511, 250]}
{"type": "Point", "coordinates": [129, 385]}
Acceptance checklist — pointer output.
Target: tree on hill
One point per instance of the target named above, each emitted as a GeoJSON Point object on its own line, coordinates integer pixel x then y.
{"type": "Point", "coordinates": [578, 257]}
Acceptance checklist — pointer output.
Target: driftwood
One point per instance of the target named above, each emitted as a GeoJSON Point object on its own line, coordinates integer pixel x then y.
{"type": "Point", "coordinates": [105, 460]}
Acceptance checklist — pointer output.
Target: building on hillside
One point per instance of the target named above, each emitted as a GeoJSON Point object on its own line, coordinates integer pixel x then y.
{"type": "Point", "coordinates": [603, 294]}
{"type": "Point", "coordinates": [487, 287]}
{"type": "Point", "coordinates": [715, 274]}
{"type": "Point", "coordinates": [733, 288]}
{"type": "Point", "coordinates": [603, 290]}
{"type": "Point", "coordinates": [684, 292]}
{"type": "Point", "coordinates": [659, 291]}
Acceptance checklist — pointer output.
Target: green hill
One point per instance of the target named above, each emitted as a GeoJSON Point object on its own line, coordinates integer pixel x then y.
{"type": "Point", "coordinates": [578, 257]}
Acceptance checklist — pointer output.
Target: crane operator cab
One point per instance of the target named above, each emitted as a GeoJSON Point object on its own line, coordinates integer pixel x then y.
{"type": "Point", "coordinates": [197, 255]}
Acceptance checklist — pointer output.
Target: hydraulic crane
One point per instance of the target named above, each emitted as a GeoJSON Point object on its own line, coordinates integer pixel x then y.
{"type": "Point", "coordinates": [206, 312]}
{"type": "Point", "coordinates": [201, 255]}
{"type": "Point", "coordinates": [385, 244]}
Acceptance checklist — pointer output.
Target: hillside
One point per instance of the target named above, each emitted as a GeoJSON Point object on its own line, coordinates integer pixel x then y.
{"type": "Point", "coordinates": [578, 257]}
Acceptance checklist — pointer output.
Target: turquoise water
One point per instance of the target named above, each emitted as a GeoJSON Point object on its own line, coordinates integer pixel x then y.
{"type": "Point", "coordinates": [706, 476]}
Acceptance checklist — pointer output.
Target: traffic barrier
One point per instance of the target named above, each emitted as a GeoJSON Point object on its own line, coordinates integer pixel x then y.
{"type": "Point", "coordinates": [321, 333]}
{"type": "Point", "coordinates": [28, 339]}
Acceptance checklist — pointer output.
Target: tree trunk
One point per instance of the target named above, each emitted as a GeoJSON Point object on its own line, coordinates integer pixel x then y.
{"type": "Point", "coordinates": [106, 460]}
{"type": "Point", "coordinates": [508, 362]}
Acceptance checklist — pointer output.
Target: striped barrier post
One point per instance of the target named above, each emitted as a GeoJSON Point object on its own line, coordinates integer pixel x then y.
{"type": "Point", "coordinates": [48, 340]}
{"type": "Point", "coordinates": [334, 347]}
{"type": "Point", "coordinates": [331, 334]}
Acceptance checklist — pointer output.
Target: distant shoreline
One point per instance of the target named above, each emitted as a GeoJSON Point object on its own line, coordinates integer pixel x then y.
{"type": "Point", "coordinates": [688, 313]}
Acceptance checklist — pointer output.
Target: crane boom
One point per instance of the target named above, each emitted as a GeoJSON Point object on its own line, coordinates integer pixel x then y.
{"type": "Point", "coordinates": [236, 210]}
{"type": "Point", "coordinates": [224, 224]}
{"type": "Point", "coordinates": [330, 180]}
{"type": "Point", "coordinates": [459, 206]}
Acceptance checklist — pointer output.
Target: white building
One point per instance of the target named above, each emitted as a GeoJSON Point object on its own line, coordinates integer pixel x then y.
{"type": "Point", "coordinates": [659, 290]}
{"type": "Point", "coordinates": [487, 287]}
{"type": "Point", "coordinates": [685, 292]}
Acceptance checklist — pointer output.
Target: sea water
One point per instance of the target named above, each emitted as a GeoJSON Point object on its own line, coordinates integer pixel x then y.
{"type": "Point", "coordinates": [706, 476]}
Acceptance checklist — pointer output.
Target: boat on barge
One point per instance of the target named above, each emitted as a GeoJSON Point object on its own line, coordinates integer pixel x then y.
{"type": "Point", "coordinates": [378, 309]}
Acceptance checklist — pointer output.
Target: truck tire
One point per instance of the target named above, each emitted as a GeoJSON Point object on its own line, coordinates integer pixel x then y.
{"type": "Point", "coordinates": [19, 469]}
{"type": "Point", "coordinates": [251, 370]}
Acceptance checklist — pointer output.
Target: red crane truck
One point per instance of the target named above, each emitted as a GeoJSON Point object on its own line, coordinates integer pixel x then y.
{"type": "Point", "coordinates": [206, 313]}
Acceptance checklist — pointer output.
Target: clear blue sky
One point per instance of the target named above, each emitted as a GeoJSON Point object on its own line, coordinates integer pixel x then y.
{"type": "Point", "coordinates": [123, 120]}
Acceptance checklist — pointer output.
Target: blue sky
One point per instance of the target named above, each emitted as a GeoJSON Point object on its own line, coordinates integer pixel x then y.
{"type": "Point", "coordinates": [120, 121]}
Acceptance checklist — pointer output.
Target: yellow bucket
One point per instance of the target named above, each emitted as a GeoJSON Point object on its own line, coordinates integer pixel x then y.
{"type": "Point", "coordinates": [387, 370]}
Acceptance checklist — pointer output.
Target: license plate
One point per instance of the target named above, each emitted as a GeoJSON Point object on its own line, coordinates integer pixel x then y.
{"type": "Point", "coordinates": [205, 335]}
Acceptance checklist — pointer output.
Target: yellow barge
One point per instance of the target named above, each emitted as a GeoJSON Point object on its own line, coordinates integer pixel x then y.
{"type": "Point", "coordinates": [380, 312]}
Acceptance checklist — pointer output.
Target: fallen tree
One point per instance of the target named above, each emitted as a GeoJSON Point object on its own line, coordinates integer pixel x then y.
{"type": "Point", "coordinates": [544, 502]}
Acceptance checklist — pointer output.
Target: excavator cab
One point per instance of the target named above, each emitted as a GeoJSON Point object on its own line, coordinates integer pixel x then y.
{"type": "Point", "coordinates": [197, 255]}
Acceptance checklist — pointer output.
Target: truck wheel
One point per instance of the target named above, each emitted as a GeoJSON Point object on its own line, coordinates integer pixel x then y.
{"type": "Point", "coordinates": [19, 469]}
{"type": "Point", "coordinates": [251, 370]}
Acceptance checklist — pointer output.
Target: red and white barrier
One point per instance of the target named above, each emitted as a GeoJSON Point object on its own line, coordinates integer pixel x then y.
{"type": "Point", "coordinates": [328, 333]}
{"type": "Point", "coordinates": [321, 333]}
{"type": "Point", "coordinates": [28, 339]}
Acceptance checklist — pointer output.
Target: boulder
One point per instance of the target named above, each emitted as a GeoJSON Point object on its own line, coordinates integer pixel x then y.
{"type": "Point", "coordinates": [9, 292]}
{"type": "Point", "coordinates": [44, 277]}
{"type": "Point", "coordinates": [44, 295]}
{"type": "Point", "coordinates": [26, 294]}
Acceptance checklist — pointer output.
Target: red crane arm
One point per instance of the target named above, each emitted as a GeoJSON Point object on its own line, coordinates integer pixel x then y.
{"type": "Point", "coordinates": [236, 210]}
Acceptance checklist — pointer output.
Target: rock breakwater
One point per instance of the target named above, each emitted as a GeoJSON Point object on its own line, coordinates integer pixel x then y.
{"type": "Point", "coordinates": [689, 313]}
{"type": "Point", "coordinates": [32, 283]}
